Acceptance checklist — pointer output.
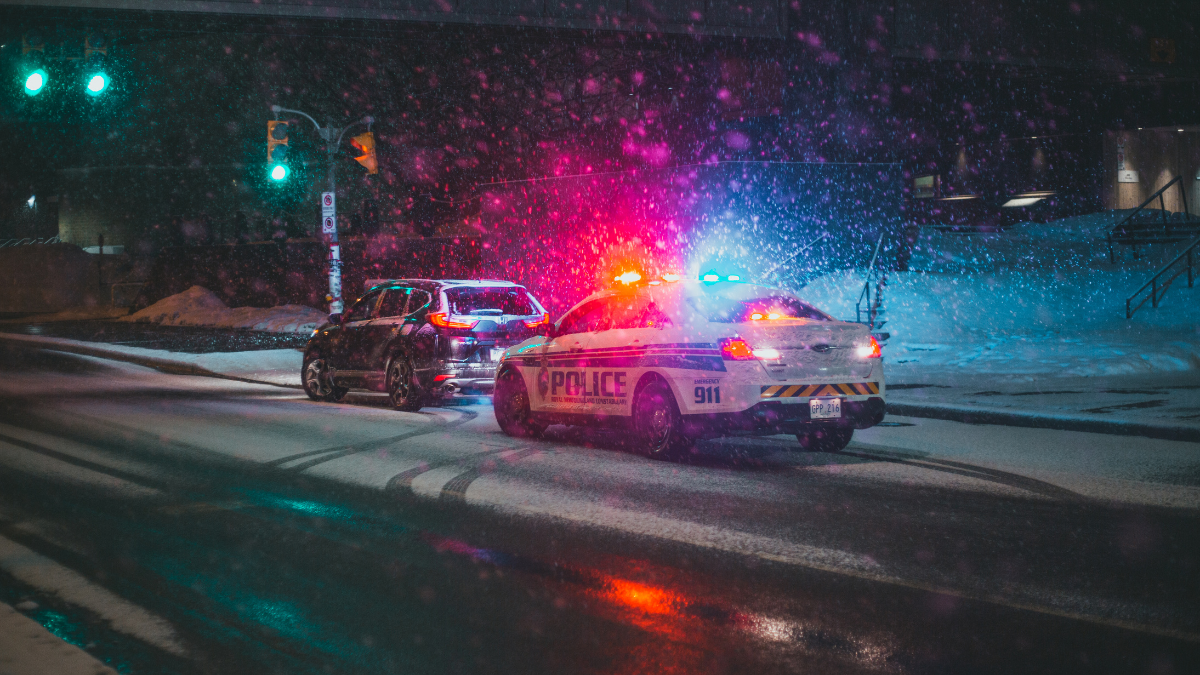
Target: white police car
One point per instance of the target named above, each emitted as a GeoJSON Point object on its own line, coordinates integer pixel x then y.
{"type": "Point", "coordinates": [675, 360]}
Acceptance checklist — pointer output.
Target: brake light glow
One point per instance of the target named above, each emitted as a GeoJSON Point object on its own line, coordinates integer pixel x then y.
{"type": "Point", "coordinates": [870, 351]}
{"type": "Point", "coordinates": [441, 320]}
{"type": "Point", "coordinates": [736, 349]}
{"type": "Point", "coordinates": [766, 353]}
{"type": "Point", "coordinates": [441, 378]}
{"type": "Point", "coordinates": [532, 325]}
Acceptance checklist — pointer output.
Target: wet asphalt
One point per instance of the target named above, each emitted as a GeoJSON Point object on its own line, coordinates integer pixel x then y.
{"type": "Point", "coordinates": [263, 569]}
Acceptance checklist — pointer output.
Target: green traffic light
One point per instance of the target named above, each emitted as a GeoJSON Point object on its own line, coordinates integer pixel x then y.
{"type": "Point", "coordinates": [35, 82]}
{"type": "Point", "coordinates": [279, 172]}
{"type": "Point", "coordinates": [97, 83]}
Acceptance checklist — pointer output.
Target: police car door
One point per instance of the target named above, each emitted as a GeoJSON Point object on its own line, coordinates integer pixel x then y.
{"type": "Point", "coordinates": [623, 352]}
{"type": "Point", "coordinates": [562, 384]}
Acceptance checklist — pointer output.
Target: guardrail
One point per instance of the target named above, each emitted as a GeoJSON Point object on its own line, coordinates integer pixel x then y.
{"type": "Point", "coordinates": [1157, 288]}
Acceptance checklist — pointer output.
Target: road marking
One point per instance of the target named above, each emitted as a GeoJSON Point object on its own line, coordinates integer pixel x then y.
{"type": "Point", "coordinates": [74, 589]}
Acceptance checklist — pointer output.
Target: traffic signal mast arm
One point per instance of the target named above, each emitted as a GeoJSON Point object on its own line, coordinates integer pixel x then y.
{"type": "Point", "coordinates": [335, 263]}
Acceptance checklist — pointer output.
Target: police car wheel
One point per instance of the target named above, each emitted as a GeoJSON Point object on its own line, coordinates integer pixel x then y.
{"type": "Point", "coordinates": [825, 439]}
{"type": "Point", "coordinates": [402, 385]}
{"type": "Point", "coordinates": [657, 423]}
{"type": "Point", "coordinates": [317, 381]}
{"type": "Point", "coordinates": [511, 405]}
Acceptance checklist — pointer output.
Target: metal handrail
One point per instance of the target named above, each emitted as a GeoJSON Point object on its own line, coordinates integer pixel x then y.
{"type": "Point", "coordinates": [1163, 210]}
{"type": "Point", "coordinates": [866, 291]}
{"type": "Point", "coordinates": [1154, 286]}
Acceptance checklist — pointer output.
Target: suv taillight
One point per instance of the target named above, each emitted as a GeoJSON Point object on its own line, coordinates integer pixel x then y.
{"type": "Point", "coordinates": [533, 325]}
{"type": "Point", "coordinates": [441, 320]}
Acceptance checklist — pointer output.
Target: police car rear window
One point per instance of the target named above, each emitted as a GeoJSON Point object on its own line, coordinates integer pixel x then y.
{"type": "Point", "coordinates": [724, 310]}
{"type": "Point", "coordinates": [489, 300]}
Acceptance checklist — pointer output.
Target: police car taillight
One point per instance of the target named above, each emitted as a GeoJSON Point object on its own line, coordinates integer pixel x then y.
{"type": "Point", "coordinates": [870, 350]}
{"type": "Point", "coordinates": [533, 325]}
{"type": "Point", "coordinates": [441, 320]}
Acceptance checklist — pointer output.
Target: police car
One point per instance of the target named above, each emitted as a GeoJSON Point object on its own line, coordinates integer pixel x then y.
{"type": "Point", "coordinates": [676, 360]}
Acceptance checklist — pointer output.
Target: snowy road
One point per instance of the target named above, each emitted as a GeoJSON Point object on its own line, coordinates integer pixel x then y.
{"type": "Point", "coordinates": [187, 524]}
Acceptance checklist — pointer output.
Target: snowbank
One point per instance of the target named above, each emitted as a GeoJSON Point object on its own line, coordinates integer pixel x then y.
{"type": "Point", "coordinates": [1038, 299]}
{"type": "Point", "coordinates": [198, 306]}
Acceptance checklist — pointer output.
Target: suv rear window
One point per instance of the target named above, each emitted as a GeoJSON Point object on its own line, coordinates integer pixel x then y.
{"type": "Point", "coordinates": [489, 300]}
{"type": "Point", "coordinates": [723, 310]}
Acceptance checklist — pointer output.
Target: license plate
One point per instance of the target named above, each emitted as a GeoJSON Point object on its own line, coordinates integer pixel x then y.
{"type": "Point", "coordinates": [824, 408]}
{"type": "Point", "coordinates": [496, 354]}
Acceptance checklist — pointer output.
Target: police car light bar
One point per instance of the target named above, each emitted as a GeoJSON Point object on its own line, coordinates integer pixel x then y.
{"type": "Point", "coordinates": [713, 277]}
{"type": "Point", "coordinates": [629, 278]}
{"type": "Point", "coordinates": [668, 277]}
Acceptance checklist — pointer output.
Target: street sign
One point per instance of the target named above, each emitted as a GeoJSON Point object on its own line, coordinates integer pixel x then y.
{"type": "Point", "coordinates": [328, 204]}
{"type": "Point", "coordinates": [328, 224]}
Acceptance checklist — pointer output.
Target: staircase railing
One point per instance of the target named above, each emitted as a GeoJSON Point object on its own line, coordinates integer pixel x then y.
{"type": "Point", "coordinates": [872, 308]}
{"type": "Point", "coordinates": [1122, 233]}
{"type": "Point", "coordinates": [29, 240]}
{"type": "Point", "coordinates": [1159, 288]}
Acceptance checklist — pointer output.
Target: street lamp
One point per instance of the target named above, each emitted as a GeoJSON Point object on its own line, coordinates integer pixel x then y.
{"type": "Point", "coordinates": [333, 138]}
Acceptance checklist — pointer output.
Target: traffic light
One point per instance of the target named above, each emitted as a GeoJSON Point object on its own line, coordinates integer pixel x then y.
{"type": "Point", "coordinates": [35, 82]}
{"type": "Point", "coordinates": [95, 49]}
{"type": "Point", "coordinates": [365, 143]}
{"type": "Point", "coordinates": [33, 47]}
{"type": "Point", "coordinates": [277, 148]}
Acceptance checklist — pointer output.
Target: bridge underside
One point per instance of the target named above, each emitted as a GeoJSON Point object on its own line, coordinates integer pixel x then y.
{"type": "Point", "coordinates": [739, 18]}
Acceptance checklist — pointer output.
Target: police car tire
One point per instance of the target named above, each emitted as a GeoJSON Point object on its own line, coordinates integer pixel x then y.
{"type": "Point", "coordinates": [400, 368]}
{"type": "Point", "coordinates": [825, 439]}
{"type": "Point", "coordinates": [655, 399]}
{"type": "Point", "coordinates": [317, 384]}
{"type": "Point", "coordinates": [511, 405]}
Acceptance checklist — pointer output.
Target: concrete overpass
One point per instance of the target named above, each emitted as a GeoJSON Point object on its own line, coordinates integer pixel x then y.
{"type": "Point", "coordinates": [738, 18]}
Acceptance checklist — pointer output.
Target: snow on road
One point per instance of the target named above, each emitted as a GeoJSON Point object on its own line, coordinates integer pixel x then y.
{"type": "Point", "coordinates": [198, 306]}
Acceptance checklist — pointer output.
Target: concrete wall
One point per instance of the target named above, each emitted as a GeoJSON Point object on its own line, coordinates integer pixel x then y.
{"type": "Point", "coordinates": [1158, 155]}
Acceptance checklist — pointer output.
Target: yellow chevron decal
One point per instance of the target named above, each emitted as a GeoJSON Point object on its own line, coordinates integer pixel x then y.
{"type": "Point", "coordinates": [807, 390]}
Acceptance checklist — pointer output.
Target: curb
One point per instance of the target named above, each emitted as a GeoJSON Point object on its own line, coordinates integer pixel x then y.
{"type": "Point", "coordinates": [972, 415]}
{"type": "Point", "coordinates": [162, 365]}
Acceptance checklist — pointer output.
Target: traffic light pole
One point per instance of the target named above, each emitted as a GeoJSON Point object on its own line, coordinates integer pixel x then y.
{"type": "Point", "coordinates": [333, 139]}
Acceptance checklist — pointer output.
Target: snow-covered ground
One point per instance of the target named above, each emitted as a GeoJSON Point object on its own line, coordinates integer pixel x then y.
{"type": "Point", "coordinates": [1039, 299]}
{"type": "Point", "coordinates": [198, 306]}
